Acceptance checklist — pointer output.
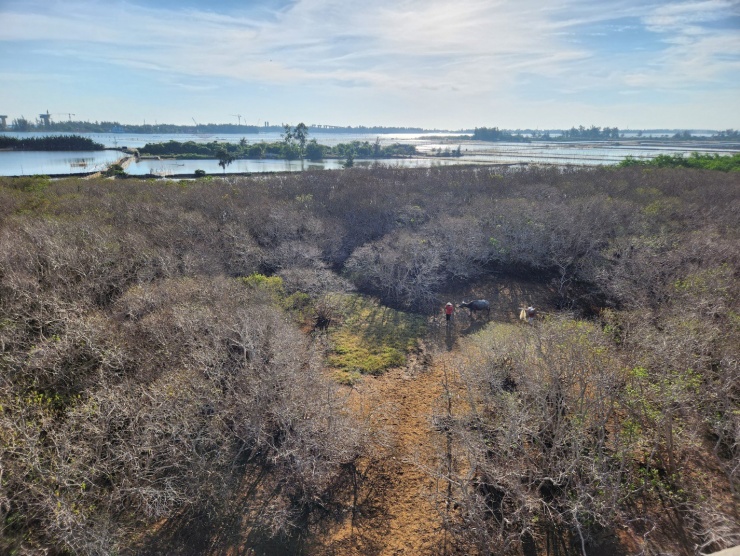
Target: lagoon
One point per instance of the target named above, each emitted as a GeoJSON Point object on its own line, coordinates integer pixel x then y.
{"type": "Point", "coordinates": [171, 167]}
{"type": "Point", "coordinates": [27, 163]}
{"type": "Point", "coordinates": [14, 163]}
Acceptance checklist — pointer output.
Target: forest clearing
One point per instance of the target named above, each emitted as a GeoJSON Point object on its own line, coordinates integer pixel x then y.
{"type": "Point", "coordinates": [262, 366]}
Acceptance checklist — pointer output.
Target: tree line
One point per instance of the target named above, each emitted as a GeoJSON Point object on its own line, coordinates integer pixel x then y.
{"type": "Point", "coordinates": [50, 143]}
{"type": "Point", "coordinates": [574, 133]}
{"type": "Point", "coordinates": [81, 126]}
{"type": "Point", "coordinates": [289, 150]}
{"type": "Point", "coordinates": [496, 134]}
{"type": "Point", "coordinates": [590, 133]}
{"type": "Point", "coordinates": [76, 126]}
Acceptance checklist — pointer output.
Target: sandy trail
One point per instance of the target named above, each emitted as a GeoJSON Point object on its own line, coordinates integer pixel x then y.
{"type": "Point", "coordinates": [401, 516]}
{"type": "Point", "coordinates": [400, 505]}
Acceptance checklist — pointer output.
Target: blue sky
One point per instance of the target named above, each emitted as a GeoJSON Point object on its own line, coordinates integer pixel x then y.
{"type": "Point", "coordinates": [428, 63]}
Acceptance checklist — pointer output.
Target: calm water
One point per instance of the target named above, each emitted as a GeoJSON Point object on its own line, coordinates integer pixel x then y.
{"type": "Point", "coordinates": [26, 163]}
{"type": "Point", "coordinates": [583, 153]}
{"type": "Point", "coordinates": [174, 167]}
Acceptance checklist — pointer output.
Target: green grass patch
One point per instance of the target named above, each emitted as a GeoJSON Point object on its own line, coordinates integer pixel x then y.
{"type": "Point", "coordinates": [371, 338]}
{"type": "Point", "coordinates": [298, 304]}
{"type": "Point", "coordinates": [730, 163]}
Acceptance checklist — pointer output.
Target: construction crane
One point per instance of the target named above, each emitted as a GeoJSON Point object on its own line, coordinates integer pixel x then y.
{"type": "Point", "coordinates": [196, 123]}
{"type": "Point", "coordinates": [238, 116]}
{"type": "Point", "coordinates": [68, 114]}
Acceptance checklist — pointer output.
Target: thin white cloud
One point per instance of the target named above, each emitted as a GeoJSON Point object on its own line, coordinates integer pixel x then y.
{"type": "Point", "coordinates": [191, 87]}
{"type": "Point", "coordinates": [684, 17]}
{"type": "Point", "coordinates": [302, 42]}
{"type": "Point", "coordinates": [470, 48]}
{"type": "Point", "coordinates": [696, 53]}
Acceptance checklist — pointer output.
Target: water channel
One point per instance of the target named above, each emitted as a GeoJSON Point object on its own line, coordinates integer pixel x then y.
{"type": "Point", "coordinates": [431, 148]}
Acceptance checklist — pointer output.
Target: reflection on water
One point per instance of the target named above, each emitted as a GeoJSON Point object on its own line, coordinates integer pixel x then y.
{"type": "Point", "coordinates": [26, 163]}
{"type": "Point", "coordinates": [568, 153]}
{"type": "Point", "coordinates": [473, 152]}
{"type": "Point", "coordinates": [137, 140]}
{"type": "Point", "coordinates": [177, 167]}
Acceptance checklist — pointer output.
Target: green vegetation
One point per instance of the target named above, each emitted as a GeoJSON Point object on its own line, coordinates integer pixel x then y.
{"type": "Point", "coordinates": [314, 151]}
{"type": "Point", "coordinates": [224, 158]}
{"type": "Point", "coordinates": [300, 135]}
{"type": "Point", "coordinates": [447, 152]}
{"type": "Point", "coordinates": [727, 135]}
{"type": "Point", "coordinates": [190, 149]}
{"type": "Point", "coordinates": [295, 144]}
{"type": "Point", "coordinates": [729, 163]}
{"type": "Point", "coordinates": [496, 134]}
{"type": "Point", "coordinates": [115, 170]}
{"type": "Point", "coordinates": [286, 149]}
{"type": "Point", "coordinates": [579, 133]}
{"type": "Point", "coordinates": [22, 124]}
{"type": "Point", "coordinates": [371, 337]}
{"type": "Point", "coordinates": [50, 143]}
{"type": "Point", "coordinates": [593, 133]}
{"type": "Point", "coordinates": [365, 149]}
{"type": "Point", "coordinates": [298, 304]}
{"type": "Point", "coordinates": [350, 159]}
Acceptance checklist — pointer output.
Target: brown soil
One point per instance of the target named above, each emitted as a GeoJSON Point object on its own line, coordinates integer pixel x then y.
{"type": "Point", "coordinates": [400, 503]}
{"type": "Point", "coordinates": [400, 515]}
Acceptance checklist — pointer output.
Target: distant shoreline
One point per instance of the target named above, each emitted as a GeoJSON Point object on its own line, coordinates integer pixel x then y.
{"type": "Point", "coordinates": [430, 147]}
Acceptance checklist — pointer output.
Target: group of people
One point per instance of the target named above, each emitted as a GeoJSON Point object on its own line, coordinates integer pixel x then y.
{"type": "Point", "coordinates": [528, 314]}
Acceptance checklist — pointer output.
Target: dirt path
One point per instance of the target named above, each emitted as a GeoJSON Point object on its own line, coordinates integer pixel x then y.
{"type": "Point", "coordinates": [401, 514]}
{"type": "Point", "coordinates": [399, 506]}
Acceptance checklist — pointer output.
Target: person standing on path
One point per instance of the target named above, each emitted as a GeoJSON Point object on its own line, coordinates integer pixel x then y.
{"type": "Point", "coordinates": [449, 309]}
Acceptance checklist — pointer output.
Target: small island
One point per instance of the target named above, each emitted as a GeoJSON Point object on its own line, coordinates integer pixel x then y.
{"type": "Point", "coordinates": [50, 143]}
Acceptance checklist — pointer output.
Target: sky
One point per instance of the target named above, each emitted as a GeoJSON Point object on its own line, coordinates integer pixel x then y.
{"type": "Point", "coordinates": [512, 64]}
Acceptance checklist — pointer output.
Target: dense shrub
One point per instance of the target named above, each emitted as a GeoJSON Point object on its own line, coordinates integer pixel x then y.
{"type": "Point", "coordinates": [540, 443]}
{"type": "Point", "coordinates": [565, 431]}
{"type": "Point", "coordinates": [729, 163]}
{"type": "Point", "coordinates": [126, 416]}
{"type": "Point", "coordinates": [142, 376]}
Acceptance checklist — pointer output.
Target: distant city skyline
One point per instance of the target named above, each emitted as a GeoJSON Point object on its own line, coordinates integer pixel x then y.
{"type": "Point", "coordinates": [632, 64]}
